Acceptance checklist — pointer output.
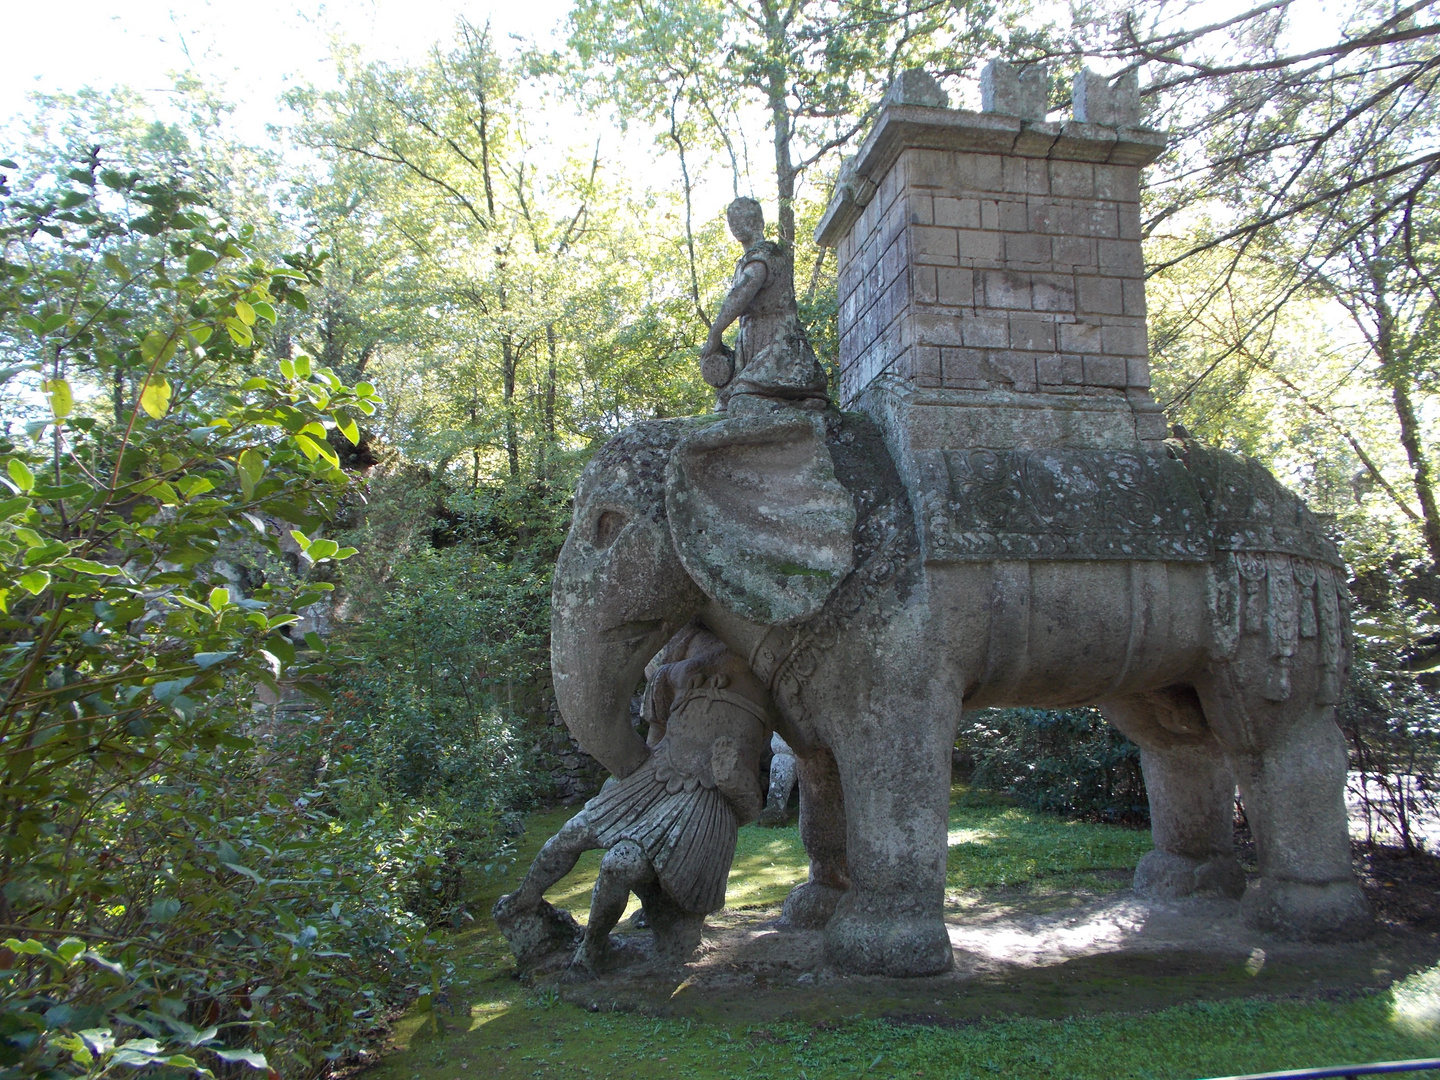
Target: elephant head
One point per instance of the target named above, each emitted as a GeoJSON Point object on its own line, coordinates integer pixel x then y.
{"type": "Point", "coordinates": [669, 517]}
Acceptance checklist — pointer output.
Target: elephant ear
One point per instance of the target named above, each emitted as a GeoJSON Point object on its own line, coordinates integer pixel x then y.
{"type": "Point", "coordinates": [759, 520]}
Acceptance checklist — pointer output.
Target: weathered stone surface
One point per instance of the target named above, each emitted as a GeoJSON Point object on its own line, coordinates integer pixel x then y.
{"type": "Point", "coordinates": [783, 774]}
{"type": "Point", "coordinates": [916, 87]}
{"type": "Point", "coordinates": [669, 827]}
{"type": "Point", "coordinates": [772, 364]}
{"type": "Point", "coordinates": [1098, 100]}
{"type": "Point", "coordinates": [759, 520]}
{"type": "Point", "coordinates": [1008, 90]}
{"type": "Point", "coordinates": [1053, 503]}
{"type": "Point", "coordinates": [992, 326]}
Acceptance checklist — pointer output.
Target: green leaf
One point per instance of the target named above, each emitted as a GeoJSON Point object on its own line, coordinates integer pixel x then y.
{"type": "Point", "coordinates": [167, 691]}
{"type": "Point", "coordinates": [313, 448]}
{"type": "Point", "coordinates": [302, 366]}
{"type": "Point", "coordinates": [252, 467]}
{"type": "Point", "coordinates": [156, 345]}
{"type": "Point", "coordinates": [315, 641]}
{"type": "Point", "coordinates": [365, 389]}
{"type": "Point", "coordinates": [200, 261]}
{"type": "Point", "coordinates": [54, 322]}
{"type": "Point", "coordinates": [89, 566]}
{"type": "Point", "coordinates": [308, 446]}
{"type": "Point", "coordinates": [64, 491]}
{"type": "Point", "coordinates": [322, 549]}
{"type": "Point", "coordinates": [251, 874]}
{"type": "Point", "coordinates": [301, 539]}
{"type": "Point", "coordinates": [62, 401]}
{"type": "Point", "coordinates": [239, 332]}
{"type": "Point", "coordinates": [162, 911]}
{"type": "Point", "coordinates": [200, 333]}
{"type": "Point", "coordinates": [245, 312]}
{"type": "Point", "coordinates": [219, 598]}
{"type": "Point", "coordinates": [35, 582]}
{"type": "Point", "coordinates": [281, 646]}
{"type": "Point", "coordinates": [315, 692]}
{"type": "Point", "coordinates": [155, 398]}
{"type": "Point", "coordinates": [349, 429]}
{"type": "Point", "coordinates": [265, 311]}
{"type": "Point", "coordinates": [287, 368]}
{"type": "Point", "coordinates": [21, 474]}
{"type": "Point", "coordinates": [205, 660]}
{"type": "Point", "coordinates": [253, 1058]}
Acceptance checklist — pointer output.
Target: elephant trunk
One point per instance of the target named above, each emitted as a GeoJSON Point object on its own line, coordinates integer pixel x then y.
{"type": "Point", "coordinates": [596, 672]}
{"type": "Point", "coordinates": [620, 592]}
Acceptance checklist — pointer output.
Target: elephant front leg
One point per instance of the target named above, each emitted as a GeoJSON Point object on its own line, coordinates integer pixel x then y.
{"type": "Point", "coordinates": [896, 776]}
{"type": "Point", "coordinates": [822, 830]}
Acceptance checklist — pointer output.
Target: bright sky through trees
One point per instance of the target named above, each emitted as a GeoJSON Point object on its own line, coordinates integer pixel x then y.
{"type": "Point", "coordinates": [257, 49]}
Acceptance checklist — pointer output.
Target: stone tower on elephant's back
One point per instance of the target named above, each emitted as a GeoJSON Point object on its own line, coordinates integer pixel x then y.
{"type": "Point", "coordinates": [992, 321]}
{"type": "Point", "coordinates": [993, 258]}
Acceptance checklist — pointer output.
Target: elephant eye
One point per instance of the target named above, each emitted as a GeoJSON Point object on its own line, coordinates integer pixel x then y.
{"type": "Point", "coordinates": [608, 527]}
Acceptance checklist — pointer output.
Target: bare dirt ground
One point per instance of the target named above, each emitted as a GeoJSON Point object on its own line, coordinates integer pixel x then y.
{"type": "Point", "coordinates": [1041, 954]}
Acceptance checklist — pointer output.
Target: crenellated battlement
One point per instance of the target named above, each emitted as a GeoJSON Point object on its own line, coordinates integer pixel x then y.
{"type": "Point", "coordinates": [997, 255]}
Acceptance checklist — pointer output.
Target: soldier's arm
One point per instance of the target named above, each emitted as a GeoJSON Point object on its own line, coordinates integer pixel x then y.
{"type": "Point", "coordinates": [739, 784]}
{"type": "Point", "coordinates": [751, 280]}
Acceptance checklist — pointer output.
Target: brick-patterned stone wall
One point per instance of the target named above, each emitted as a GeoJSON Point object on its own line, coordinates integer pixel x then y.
{"type": "Point", "coordinates": [979, 252]}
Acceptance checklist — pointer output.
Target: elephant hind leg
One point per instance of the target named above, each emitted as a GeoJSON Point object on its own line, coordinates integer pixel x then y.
{"type": "Point", "coordinates": [1290, 761]}
{"type": "Point", "coordinates": [1191, 791]}
{"type": "Point", "coordinates": [822, 831]}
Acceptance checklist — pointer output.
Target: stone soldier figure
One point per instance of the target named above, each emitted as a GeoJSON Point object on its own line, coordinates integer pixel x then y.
{"type": "Point", "coordinates": [783, 774]}
{"type": "Point", "coordinates": [669, 827]}
{"type": "Point", "coordinates": [772, 362]}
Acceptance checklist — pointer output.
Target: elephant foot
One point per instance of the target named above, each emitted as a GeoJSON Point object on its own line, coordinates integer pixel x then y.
{"type": "Point", "coordinates": [810, 906]}
{"type": "Point", "coordinates": [1164, 875]}
{"type": "Point", "coordinates": [1335, 911]}
{"type": "Point", "coordinates": [869, 936]}
{"type": "Point", "coordinates": [535, 933]}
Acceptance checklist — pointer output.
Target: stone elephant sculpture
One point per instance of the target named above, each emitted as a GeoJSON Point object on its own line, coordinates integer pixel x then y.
{"type": "Point", "coordinates": [792, 537]}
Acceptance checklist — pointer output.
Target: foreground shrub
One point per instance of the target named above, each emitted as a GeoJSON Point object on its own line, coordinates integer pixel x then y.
{"type": "Point", "coordinates": [168, 895]}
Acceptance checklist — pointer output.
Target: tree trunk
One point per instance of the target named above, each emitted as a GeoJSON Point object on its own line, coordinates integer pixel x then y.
{"type": "Point", "coordinates": [512, 444]}
{"type": "Point", "coordinates": [550, 379]}
{"type": "Point", "coordinates": [775, 91]}
{"type": "Point", "coordinates": [1395, 371]}
{"type": "Point", "coordinates": [1419, 465]}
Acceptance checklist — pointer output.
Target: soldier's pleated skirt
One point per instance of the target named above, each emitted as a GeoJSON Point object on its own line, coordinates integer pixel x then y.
{"type": "Point", "coordinates": [687, 833]}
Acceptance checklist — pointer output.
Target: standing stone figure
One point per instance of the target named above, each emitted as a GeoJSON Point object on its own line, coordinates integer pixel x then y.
{"type": "Point", "coordinates": [772, 361]}
{"type": "Point", "coordinates": [669, 827]}
{"type": "Point", "coordinates": [782, 783]}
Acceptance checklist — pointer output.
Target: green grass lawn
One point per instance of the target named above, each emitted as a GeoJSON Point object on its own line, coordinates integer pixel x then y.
{"type": "Point", "coordinates": [494, 1026]}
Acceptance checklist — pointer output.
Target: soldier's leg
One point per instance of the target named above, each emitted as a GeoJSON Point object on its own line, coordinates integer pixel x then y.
{"type": "Point", "coordinates": [556, 859]}
{"type": "Point", "coordinates": [624, 868]}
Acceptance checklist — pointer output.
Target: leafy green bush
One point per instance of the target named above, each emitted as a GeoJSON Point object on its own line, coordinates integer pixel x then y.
{"type": "Point", "coordinates": [432, 707]}
{"type": "Point", "coordinates": [1070, 762]}
{"type": "Point", "coordinates": [166, 891]}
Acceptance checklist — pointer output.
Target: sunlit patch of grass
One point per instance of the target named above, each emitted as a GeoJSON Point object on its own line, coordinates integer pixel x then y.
{"type": "Point", "coordinates": [1416, 1006]}
{"type": "Point", "coordinates": [993, 844]}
